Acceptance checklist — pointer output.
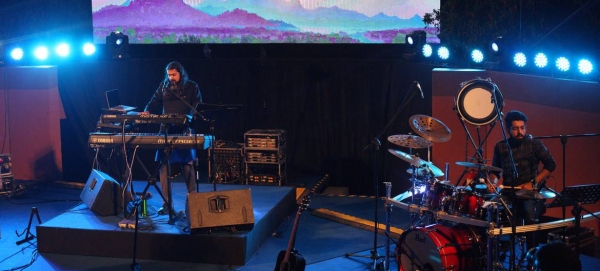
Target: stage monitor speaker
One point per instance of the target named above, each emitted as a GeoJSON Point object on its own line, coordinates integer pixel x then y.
{"type": "Point", "coordinates": [223, 210]}
{"type": "Point", "coordinates": [102, 194]}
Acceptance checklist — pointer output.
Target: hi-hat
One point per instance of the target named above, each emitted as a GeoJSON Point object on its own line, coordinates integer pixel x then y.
{"type": "Point", "coordinates": [478, 166]}
{"type": "Point", "coordinates": [410, 141]}
{"type": "Point", "coordinates": [424, 167]}
{"type": "Point", "coordinates": [426, 170]}
{"type": "Point", "coordinates": [430, 128]}
{"type": "Point", "coordinates": [533, 194]}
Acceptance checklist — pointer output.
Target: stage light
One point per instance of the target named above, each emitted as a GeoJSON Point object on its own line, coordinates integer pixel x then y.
{"type": "Point", "coordinates": [443, 52]}
{"type": "Point", "coordinates": [585, 66]}
{"type": "Point", "coordinates": [563, 64]}
{"type": "Point", "coordinates": [118, 45]}
{"type": "Point", "coordinates": [540, 60]}
{"type": "Point", "coordinates": [41, 53]}
{"type": "Point", "coordinates": [410, 40]}
{"type": "Point", "coordinates": [476, 55]}
{"type": "Point", "coordinates": [89, 49]}
{"type": "Point", "coordinates": [427, 50]}
{"type": "Point", "coordinates": [63, 50]}
{"type": "Point", "coordinates": [497, 46]}
{"type": "Point", "coordinates": [17, 53]}
{"type": "Point", "coordinates": [416, 38]}
{"type": "Point", "coordinates": [520, 59]}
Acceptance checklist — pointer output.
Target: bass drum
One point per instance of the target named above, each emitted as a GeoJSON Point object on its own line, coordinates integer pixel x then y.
{"type": "Point", "coordinates": [439, 247]}
{"type": "Point", "coordinates": [474, 101]}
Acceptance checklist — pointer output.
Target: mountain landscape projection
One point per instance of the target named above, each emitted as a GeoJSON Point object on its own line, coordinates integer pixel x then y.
{"type": "Point", "coordinates": [261, 21]}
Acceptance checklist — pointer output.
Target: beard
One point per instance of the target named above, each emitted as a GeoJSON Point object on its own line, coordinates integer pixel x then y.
{"type": "Point", "coordinates": [516, 141]}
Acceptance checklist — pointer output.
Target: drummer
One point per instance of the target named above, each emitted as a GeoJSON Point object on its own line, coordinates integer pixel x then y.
{"type": "Point", "coordinates": [527, 153]}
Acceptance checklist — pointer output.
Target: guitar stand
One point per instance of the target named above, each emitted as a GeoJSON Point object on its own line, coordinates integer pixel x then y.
{"type": "Point", "coordinates": [28, 235]}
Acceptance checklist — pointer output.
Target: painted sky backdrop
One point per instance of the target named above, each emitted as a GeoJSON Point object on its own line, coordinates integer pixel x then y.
{"type": "Point", "coordinates": [366, 21]}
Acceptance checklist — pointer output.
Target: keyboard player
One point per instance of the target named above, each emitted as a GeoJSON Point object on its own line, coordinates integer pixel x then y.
{"type": "Point", "coordinates": [173, 96]}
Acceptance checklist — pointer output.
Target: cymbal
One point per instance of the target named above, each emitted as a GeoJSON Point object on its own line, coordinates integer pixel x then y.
{"type": "Point", "coordinates": [426, 170]}
{"type": "Point", "coordinates": [478, 166]}
{"type": "Point", "coordinates": [410, 141]}
{"type": "Point", "coordinates": [425, 167]}
{"type": "Point", "coordinates": [533, 194]}
{"type": "Point", "coordinates": [411, 159]}
{"type": "Point", "coordinates": [430, 128]}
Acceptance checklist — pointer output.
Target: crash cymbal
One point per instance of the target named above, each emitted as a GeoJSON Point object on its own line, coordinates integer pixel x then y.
{"type": "Point", "coordinates": [430, 128]}
{"type": "Point", "coordinates": [411, 159]}
{"type": "Point", "coordinates": [533, 194]}
{"type": "Point", "coordinates": [424, 167]}
{"type": "Point", "coordinates": [410, 141]}
{"type": "Point", "coordinates": [479, 166]}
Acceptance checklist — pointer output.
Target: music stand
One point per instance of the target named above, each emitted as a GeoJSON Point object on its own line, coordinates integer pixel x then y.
{"type": "Point", "coordinates": [576, 196]}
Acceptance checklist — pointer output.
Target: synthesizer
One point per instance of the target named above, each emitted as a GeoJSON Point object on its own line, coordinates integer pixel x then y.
{"type": "Point", "coordinates": [155, 141]}
{"type": "Point", "coordinates": [145, 119]}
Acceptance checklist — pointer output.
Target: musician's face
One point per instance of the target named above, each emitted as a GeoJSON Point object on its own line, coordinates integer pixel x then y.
{"type": "Point", "coordinates": [173, 75]}
{"type": "Point", "coordinates": [518, 130]}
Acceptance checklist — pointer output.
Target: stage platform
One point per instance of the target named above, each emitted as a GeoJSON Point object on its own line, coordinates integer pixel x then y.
{"type": "Point", "coordinates": [80, 231]}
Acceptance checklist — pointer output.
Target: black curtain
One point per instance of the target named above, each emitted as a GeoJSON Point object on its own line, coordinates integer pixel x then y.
{"type": "Point", "coordinates": [330, 105]}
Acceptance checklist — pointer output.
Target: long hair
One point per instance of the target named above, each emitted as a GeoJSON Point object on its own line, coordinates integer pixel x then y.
{"type": "Point", "coordinates": [176, 66]}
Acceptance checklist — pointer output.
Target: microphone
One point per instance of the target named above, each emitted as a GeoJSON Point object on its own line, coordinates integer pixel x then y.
{"type": "Point", "coordinates": [420, 89]}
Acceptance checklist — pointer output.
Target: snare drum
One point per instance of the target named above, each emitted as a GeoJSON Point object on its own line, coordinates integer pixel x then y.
{"type": "Point", "coordinates": [455, 247]}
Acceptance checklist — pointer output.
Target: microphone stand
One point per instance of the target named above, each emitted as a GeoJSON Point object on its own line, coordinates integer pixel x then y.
{"type": "Point", "coordinates": [515, 176]}
{"type": "Point", "coordinates": [374, 147]}
{"type": "Point", "coordinates": [563, 141]}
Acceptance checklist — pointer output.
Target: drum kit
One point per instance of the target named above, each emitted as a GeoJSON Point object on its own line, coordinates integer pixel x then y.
{"type": "Point", "coordinates": [454, 222]}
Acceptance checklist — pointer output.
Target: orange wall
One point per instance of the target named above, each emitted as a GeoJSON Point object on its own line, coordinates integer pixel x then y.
{"type": "Point", "coordinates": [31, 110]}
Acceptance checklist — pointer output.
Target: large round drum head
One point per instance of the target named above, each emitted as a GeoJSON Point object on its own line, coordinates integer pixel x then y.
{"type": "Point", "coordinates": [475, 104]}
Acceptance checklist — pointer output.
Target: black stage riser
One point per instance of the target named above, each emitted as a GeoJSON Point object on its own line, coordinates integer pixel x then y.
{"type": "Point", "coordinates": [108, 240]}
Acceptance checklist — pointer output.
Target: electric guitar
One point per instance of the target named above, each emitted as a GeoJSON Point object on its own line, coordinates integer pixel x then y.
{"type": "Point", "coordinates": [290, 259]}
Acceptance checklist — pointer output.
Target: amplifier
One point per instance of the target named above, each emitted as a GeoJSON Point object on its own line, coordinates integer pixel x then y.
{"type": "Point", "coordinates": [228, 163]}
{"type": "Point", "coordinates": [5, 163]}
{"type": "Point", "coordinates": [265, 174]}
{"type": "Point", "coordinates": [273, 139]}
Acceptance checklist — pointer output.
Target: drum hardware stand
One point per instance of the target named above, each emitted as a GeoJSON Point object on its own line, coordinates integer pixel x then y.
{"type": "Point", "coordinates": [478, 151]}
{"type": "Point", "coordinates": [374, 147]}
{"type": "Point", "coordinates": [495, 101]}
{"type": "Point", "coordinates": [28, 235]}
{"type": "Point", "coordinates": [388, 210]}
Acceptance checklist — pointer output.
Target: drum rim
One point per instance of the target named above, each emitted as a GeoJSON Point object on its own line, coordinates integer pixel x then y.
{"type": "Point", "coordinates": [459, 101]}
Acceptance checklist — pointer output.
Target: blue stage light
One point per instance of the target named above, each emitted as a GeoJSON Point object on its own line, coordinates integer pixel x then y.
{"type": "Point", "coordinates": [563, 64]}
{"type": "Point", "coordinates": [17, 53]}
{"type": "Point", "coordinates": [41, 53]}
{"type": "Point", "coordinates": [427, 50]}
{"type": "Point", "coordinates": [63, 50]}
{"type": "Point", "coordinates": [443, 52]}
{"type": "Point", "coordinates": [520, 60]}
{"type": "Point", "coordinates": [585, 66]}
{"type": "Point", "coordinates": [477, 56]}
{"type": "Point", "coordinates": [540, 60]}
{"type": "Point", "coordinates": [89, 49]}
